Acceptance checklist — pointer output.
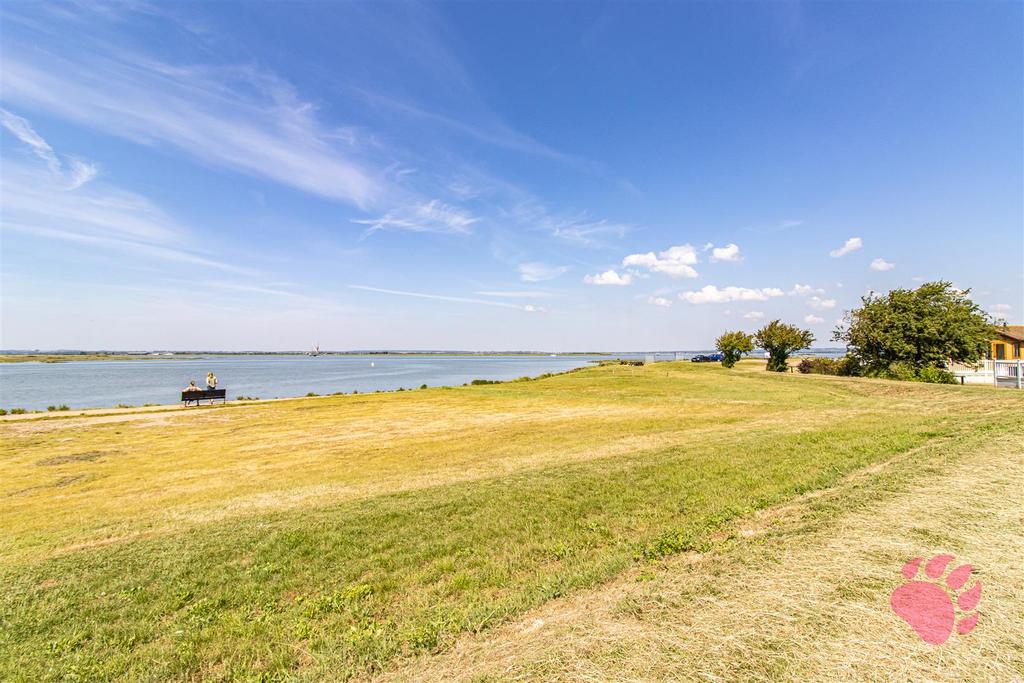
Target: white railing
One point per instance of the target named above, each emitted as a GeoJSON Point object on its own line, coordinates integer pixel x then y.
{"type": "Point", "coordinates": [998, 372]}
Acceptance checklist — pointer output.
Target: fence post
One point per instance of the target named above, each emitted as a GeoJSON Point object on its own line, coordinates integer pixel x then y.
{"type": "Point", "coordinates": [1018, 373]}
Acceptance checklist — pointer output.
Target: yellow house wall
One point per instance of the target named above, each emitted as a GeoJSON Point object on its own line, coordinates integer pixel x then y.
{"type": "Point", "coordinates": [1011, 350]}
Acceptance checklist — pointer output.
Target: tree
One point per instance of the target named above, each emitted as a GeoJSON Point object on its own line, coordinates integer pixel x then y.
{"type": "Point", "coordinates": [780, 340]}
{"type": "Point", "coordinates": [923, 328]}
{"type": "Point", "coordinates": [733, 345]}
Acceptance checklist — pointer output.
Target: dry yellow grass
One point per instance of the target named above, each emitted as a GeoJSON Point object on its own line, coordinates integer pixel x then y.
{"type": "Point", "coordinates": [799, 592]}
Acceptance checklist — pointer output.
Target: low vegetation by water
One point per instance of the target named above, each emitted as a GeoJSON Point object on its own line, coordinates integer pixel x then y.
{"type": "Point", "coordinates": [68, 357]}
{"type": "Point", "coordinates": [332, 537]}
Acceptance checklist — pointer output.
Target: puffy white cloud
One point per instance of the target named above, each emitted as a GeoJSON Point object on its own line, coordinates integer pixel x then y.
{"type": "Point", "coordinates": [804, 290]}
{"type": "Point", "coordinates": [999, 309]}
{"type": "Point", "coordinates": [535, 271]}
{"type": "Point", "coordinates": [729, 252]}
{"type": "Point", "coordinates": [812, 319]}
{"type": "Point", "coordinates": [880, 264]}
{"type": "Point", "coordinates": [851, 245]}
{"type": "Point", "coordinates": [609, 277]}
{"type": "Point", "coordinates": [754, 315]}
{"type": "Point", "coordinates": [818, 303]}
{"type": "Point", "coordinates": [675, 261]}
{"type": "Point", "coordinates": [711, 294]}
{"type": "Point", "coordinates": [660, 301]}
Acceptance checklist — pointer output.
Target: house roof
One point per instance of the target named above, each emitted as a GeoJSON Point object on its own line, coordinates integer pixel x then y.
{"type": "Point", "coordinates": [1014, 332]}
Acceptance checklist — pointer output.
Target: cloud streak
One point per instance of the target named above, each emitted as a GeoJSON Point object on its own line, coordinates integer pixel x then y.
{"type": "Point", "coordinates": [529, 308]}
{"type": "Point", "coordinates": [232, 117]}
{"type": "Point", "coordinates": [433, 216]}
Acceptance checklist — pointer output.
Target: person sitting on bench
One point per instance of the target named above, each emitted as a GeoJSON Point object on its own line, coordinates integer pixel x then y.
{"type": "Point", "coordinates": [211, 380]}
{"type": "Point", "coordinates": [191, 386]}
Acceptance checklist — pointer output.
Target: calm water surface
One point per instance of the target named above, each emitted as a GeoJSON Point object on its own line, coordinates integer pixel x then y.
{"type": "Point", "coordinates": [106, 383]}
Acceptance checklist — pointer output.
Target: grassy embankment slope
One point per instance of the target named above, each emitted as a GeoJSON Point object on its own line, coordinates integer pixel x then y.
{"type": "Point", "coordinates": [330, 537]}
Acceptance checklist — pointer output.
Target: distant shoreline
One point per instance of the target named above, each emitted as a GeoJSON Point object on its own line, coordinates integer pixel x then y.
{"type": "Point", "coordinates": [67, 356]}
{"type": "Point", "coordinates": [42, 357]}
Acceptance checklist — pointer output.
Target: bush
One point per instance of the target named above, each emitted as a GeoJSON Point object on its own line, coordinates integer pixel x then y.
{"type": "Point", "coordinates": [478, 382]}
{"type": "Point", "coordinates": [844, 367]}
{"type": "Point", "coordinates": [2, 411]}
{"type": "Point", "coordinates": [934, 375]}
{"type": "Point", "coordinates": [51, 408]}
{"type": "Point", "coordinates": [423, 386]}
{"type": "Point", "coordinates": [312, 394]}
{"type": "Point", "coordinates": [904, 372]}
{"type": "Point", "coordinates": [18, 411]}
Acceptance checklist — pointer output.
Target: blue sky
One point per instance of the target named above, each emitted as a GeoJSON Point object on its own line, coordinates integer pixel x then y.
{"type": "Point", "coordinates": [498, 176]}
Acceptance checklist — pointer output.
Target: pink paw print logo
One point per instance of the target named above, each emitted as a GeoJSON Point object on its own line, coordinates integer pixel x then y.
{"type": "Point", "coordinates": [928, 606]}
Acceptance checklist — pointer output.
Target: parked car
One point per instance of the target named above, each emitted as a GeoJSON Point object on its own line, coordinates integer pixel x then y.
{"type": "Point", "coordinates": [707, 358]}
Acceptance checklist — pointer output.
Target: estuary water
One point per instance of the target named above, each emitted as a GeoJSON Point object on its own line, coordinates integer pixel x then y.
{"type": "Point", "coordinates": [108, 383]}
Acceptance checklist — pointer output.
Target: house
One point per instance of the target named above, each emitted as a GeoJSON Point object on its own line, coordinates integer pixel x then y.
{"type": "Point", "coordinates": [1004, 364]}
{"type": "Point", "coordinates": [1009, 344]}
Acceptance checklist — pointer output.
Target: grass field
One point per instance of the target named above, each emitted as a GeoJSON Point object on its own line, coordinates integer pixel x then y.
{"type": "Point", "coordinates": [347, 536]}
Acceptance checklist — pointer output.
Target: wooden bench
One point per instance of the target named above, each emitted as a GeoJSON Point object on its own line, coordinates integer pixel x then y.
{"type": "Point", "coordinates": [210, 395]}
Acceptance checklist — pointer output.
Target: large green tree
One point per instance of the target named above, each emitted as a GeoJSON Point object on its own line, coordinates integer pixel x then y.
{"type": "Point", "coordinates": [923, 327]}
{"type": "Point", "coordinates": [733, 345]}
{"type": "Point", "coordinates": [780, 340]}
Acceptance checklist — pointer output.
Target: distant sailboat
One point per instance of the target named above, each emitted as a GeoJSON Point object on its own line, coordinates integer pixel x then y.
{"type": "Point", "coordinates": [315, 352]}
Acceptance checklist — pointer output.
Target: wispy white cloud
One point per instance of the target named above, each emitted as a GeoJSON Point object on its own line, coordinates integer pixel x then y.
{"type": "Point", "coordinates": [851, 245]}
{"type": "Point", "coordinates": [659, 301]}
{"type": "Point", "coordinates": [754, 315]}
{"type": "Point", "coordinates": [232, 117]}
{"type": "Point", "coordinates": [524, 294]}
{"type": "Point", "coordinates": [729, 253]}
{"type": "Point", "coordinates": [1000, 309]}
{"type": "Point", "coordinates": [23, 130]}
{"type": "Point", "coordinates": [579, 230]}
{"type": "Point", "coordinates": [609, 277]}
{"type": "Point", "coordinates": [432, 216]}
{"type": "Point", "coordinates": [818, 303]}
{"type": "Point", "coordinates": [529, 308]}
{"type": "Point", "coordinates": [675, 261]}
{"type": "Point", "coordinates": [128, 246]}
{"type": "Point", "coordinates": [535, 271]}
{"type": "Point", "coordinates": [43, 203]}
{"type": "Point", "coordinates": [812, 319]}
{"type": "Point", "coordinates": [881, 265]}
{"type": "Point", "coordinates": [78, 172]}
{"type": "Point", "coordinates": [710, 294]}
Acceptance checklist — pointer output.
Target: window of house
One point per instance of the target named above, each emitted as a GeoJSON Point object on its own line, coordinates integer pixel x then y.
{"type": "Point", "coordinates": [1000, 351]}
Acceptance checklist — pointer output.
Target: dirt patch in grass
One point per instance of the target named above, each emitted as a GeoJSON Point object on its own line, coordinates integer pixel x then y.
{"type": "Point", "coordinates": [89, 456]}
{"type": "Point", "coordinates": [57, 484]}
